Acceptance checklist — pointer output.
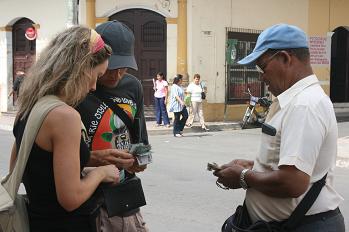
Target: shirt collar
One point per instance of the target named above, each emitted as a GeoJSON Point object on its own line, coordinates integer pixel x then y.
{"type": "Point", "coordinates": [287, 96]}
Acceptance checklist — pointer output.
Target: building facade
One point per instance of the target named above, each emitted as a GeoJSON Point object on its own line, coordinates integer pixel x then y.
{"type": "Point", "coordinates": [182, 36]}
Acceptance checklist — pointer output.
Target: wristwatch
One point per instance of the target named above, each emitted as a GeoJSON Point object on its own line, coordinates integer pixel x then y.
{"type": "Point", "coordinates": [242, 178]}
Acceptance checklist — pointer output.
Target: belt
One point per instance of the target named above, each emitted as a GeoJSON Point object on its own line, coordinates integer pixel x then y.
{"type": "Point", "coordinates": [128, 213]}
{"type": "Point", "coordinates": [319, 217]}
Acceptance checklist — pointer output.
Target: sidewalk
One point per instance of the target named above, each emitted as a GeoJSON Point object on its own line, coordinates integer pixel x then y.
{"type": "Point", "coordinates": [212, 126]}
{"type": "Point", "coordinates": [7, 119]}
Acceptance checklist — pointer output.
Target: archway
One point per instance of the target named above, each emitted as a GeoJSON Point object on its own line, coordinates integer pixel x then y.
{"type": "Point", "coordinates": [339, 83]}
{"type": "Point", "coordinates": [150, 30]}
{"type": "Point", "coordinates": [24, 47]}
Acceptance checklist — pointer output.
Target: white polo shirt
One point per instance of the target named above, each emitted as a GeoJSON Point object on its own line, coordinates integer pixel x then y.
{"type": "Point", "coordinates": [306, 137]}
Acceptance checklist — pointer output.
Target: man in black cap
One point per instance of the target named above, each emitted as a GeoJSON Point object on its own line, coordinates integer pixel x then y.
{"type": "Point", "coordinates": [114, 119]}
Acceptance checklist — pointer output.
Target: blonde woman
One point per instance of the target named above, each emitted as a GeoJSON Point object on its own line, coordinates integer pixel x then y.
{"type": "Point", "coordinates": [195, 89]}
{"type": "Point", "coordinates": [68, 68]}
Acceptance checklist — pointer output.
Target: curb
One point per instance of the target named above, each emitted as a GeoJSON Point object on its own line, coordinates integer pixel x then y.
{"type": "Point", "coordinates": [194, 129]}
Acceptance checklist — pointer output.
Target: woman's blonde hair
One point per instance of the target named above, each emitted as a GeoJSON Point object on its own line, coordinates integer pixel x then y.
{"type": "Point", "coordinates": [64, 68]}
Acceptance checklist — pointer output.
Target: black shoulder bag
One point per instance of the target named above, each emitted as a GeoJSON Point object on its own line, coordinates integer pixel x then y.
{"type": "Point", "coordinates": [203, 94]}
{"type": "Point", "coordinates": [240, 221]}
{"type": "Point", "coordinates": [127, 196]}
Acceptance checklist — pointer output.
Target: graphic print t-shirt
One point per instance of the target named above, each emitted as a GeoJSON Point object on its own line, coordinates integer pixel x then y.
{"type": "Point", "coordinates": [105, 129]}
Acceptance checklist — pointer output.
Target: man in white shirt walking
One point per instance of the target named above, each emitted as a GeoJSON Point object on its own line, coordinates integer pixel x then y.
{"type": "Point", "coordinates": [303, 147]}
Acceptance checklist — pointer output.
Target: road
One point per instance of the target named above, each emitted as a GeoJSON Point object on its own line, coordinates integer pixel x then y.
{"type": "Point", "coordinates": [181, 194]}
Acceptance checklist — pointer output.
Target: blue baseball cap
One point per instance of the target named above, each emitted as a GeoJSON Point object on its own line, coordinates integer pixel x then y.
{"type": "Point", "coordinates": [280, 36]}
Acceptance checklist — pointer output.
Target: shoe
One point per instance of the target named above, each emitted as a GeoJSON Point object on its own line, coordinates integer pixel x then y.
{"type": "Point", "coordinates": [181, 133]}
{"type": "Point", "coordinates": [168, 125]}
{"type": "Point", "coordinates": [178, 135]}
{"type": "Point", "coordinates": [205, 129]}
{"type": "Point", "coordinates": [188, 125]}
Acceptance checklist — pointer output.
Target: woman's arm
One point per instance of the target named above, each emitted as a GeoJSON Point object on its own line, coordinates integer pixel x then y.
{"type": "Point", "coordinates": [180, 100]}
{"type": "Point", "coordinates": [166, 94]}
{"type": "Point", "coordinates": [61, 134]}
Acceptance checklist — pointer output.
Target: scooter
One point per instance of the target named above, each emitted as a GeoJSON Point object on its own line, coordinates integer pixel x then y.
{"type": "Point", "coordinates": [256, 111]}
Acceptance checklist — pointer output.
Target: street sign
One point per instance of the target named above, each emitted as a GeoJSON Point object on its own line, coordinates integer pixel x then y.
{"type": "Point", "coordinates": [30, 33]}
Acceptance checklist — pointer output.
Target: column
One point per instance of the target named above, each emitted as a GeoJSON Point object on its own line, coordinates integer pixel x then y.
{"type": "Point", "coordinates": [91, 13]}
{"type": "Point", "coordinates": [182, 40]}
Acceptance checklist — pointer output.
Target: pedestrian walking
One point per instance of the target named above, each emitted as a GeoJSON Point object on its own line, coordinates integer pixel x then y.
{"type": "Point", "coordinates": [160, 96]}
{"type": "Point", "coordinates": [298, 145]}
{"type": "Point", "coordinates": [17, 83]}
{"type": "Point", "coordinates": [195, 90]}
{"type": "Point", "coordinates": [177, 106]}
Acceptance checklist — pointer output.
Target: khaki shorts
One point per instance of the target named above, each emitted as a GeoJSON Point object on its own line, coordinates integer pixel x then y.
{"type": "Point", "coordinates": [132, 223]}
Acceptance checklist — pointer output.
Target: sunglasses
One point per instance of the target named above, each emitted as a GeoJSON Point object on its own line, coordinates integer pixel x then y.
{"type": "Point", "coordinates": [260, 68]}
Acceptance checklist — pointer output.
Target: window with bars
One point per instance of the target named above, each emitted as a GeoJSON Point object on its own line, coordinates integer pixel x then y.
{"type": "Point", "coordinates": [153, 34]}
{"type": "Point", "coordinates": [240, 43]}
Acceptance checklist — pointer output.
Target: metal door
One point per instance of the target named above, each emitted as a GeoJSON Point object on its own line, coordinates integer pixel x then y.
{"type": "Point", "coordinates": [150, 30]}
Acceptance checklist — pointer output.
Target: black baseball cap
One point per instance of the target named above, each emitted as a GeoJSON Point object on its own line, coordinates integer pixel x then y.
{"type": "Point", "coordinates": [121, 39]}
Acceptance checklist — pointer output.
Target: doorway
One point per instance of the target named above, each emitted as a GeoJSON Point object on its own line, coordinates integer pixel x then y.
{"type": "Point", "coordinates": [150, 29]}
{"type": "Point", "coordinates": [339, 82]}
{"type": "Point", "coordinates": [24, 49]}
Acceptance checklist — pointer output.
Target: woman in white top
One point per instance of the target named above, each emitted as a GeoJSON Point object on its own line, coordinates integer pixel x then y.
{"type": "Point", "coordinates": [161, 90]}
{"type": "Point", "coordinates": [195, 89]}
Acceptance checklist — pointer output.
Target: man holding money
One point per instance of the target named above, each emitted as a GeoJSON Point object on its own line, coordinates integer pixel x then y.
{"type": "Point", "coordinates": [114, 120]}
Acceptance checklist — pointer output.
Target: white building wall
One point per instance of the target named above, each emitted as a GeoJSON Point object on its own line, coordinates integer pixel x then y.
{"type": "Point", "coordinates": [207, 21]}
{"type": "Point", "coordinates": [52, 17]}
{"type": "Point", "coordinates": [3, 72]}
{"type": "Point", "coordinates": [169, 9]}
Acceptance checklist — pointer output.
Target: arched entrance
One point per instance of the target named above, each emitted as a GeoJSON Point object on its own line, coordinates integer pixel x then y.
{"type": "Point", "coordinates": [339, 83]}
{"type": "Point", "coordinates": [150, 30]}
{"type": "Point", "coordinates": [24, 49]}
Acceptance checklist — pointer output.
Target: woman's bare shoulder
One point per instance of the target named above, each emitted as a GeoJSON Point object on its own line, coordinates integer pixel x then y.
{"type": "Point", "coordinates": [63, 115]}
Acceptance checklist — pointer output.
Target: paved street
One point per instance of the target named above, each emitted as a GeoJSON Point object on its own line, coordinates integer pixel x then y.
{"type": "Point", "coordinates": [182, 195]}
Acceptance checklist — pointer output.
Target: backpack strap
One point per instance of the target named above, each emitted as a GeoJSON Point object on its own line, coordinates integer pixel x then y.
{"type": "Point", "coordinates": [37, 115]}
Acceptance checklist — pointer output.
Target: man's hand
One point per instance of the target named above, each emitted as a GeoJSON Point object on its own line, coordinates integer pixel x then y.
{"type": "Point", "coordinates": [244, 163]}
{"type": "Point", "coordinates": [136, 168]}
{"type": "Point", "coordinates": [120, 158]}
{"type": "Point", "coordinates": [229, 175]}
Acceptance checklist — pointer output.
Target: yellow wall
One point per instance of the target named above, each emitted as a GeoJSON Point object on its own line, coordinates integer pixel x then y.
{"type": "Point", "coordinates": [215, 112]}
{"type": "Point", "coordinates": [325, 16]}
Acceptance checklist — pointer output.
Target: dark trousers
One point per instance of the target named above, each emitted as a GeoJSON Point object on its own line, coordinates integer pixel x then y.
{"type": "Point", "coordinates": [331, 223]}
{"type": "Point", "coordinates": [161, 112]}
{"type": "Point", "coordinates": [179, 123]}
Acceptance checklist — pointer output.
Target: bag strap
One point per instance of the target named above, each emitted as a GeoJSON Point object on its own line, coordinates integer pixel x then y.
{"type": "Point", "coordinates": [36, 117]}
{"type": "Point", "coordinates": [121, 113]}
{"type": "Point", "coordinates": [305, 204]}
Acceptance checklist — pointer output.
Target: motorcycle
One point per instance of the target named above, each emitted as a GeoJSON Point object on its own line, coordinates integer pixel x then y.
{"type": "Point", "coordinates": [256, 111]}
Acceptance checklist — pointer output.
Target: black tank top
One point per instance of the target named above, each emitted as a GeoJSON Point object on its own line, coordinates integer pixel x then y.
{"type": "Point", "coordinates": [45, 212]}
